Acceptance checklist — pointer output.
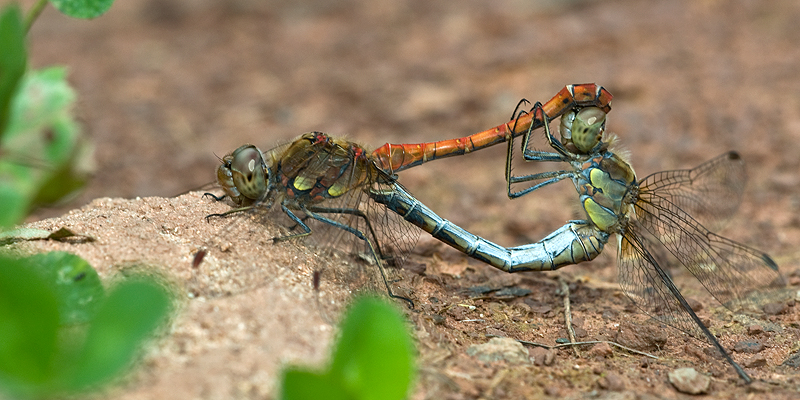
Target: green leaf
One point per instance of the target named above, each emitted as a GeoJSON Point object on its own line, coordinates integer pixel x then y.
{"type": "Point", "coordinates": [301, 385]}
{"type": "Point", "coordinates": [374, 359]}
{"type": "Point", "coordinates": [76, 284]}
{"type": "Point", "coordinates": [374, 356]}
{"type": "Point", "coordinates": [84, 9]}
{"type": "Point", "coordinates": [131, 313]}
{"type": "Point", "coordinates": [29, 320]}
{"type": "Point", "coordinates": [15, 204]}
{"type": "Point", "coordinates": [13, 59]}
{"type": "Point", "coordinates": [43, 155]}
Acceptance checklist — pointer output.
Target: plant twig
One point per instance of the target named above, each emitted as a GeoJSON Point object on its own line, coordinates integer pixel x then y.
{"type": "Point", "coordinates": [568, 313]}
{"type": "Point", "coordinates": [547, 346]}
{"type": "Point", "coordinates": [641, 353]}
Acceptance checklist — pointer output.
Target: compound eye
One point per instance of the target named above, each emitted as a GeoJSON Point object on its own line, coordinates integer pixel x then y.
{"type": "Point", "coordinates": [249, 172]}
{"type": "Point", "coordinates": [587, 128]}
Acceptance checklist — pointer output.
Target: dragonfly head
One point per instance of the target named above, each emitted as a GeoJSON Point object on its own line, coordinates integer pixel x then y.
{"type": "Point", "coordinates": [582, 131]}
{"type": "Point", "coordinates": [243, 175]}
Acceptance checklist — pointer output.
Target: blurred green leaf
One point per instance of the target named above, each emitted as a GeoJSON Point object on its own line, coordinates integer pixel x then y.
{"type": "Point", "coordinates": [43, 155]}
{"type": "Point", "coordinates": [13, 59]}
{"type": "Point", "coordinates": [76, 284]}
{"type": "Point", "coordinates": [130, 314]}
{"type": "Point", "coordinates": [84, 9]}
{"type": "Point", "coordinates": [15, 204]}
{"type": "Point", "coordinates": [29, 320]}
{"type": "Point", "coordinates": [301, 385]}
{"type": "Point", "coordinates": [373, 358]}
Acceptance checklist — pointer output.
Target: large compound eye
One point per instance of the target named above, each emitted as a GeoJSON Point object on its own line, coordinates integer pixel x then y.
{"type": "Point", "coordinates": [249, 172]}
{"type": "Point", "coordinates": [587, 128]}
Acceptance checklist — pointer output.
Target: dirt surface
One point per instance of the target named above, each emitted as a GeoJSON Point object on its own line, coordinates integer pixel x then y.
{"type": "Point", "coordinates": [165, 85]}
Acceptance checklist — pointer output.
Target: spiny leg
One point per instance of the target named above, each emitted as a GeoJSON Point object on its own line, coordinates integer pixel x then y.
{"type": "Point", "coordinates": [298, 221]}
{"type": "Point", "coordinates": [551, 176]}
{"type": "Point", "coordinates": [312, 212]}
{"type": "Point", "coordinates": [215, 197]}
{"type": "Point", "coordinates": [351, 211]}
{"type": "Point", "coordinates": [229, 212]}
{"type": "Point", "coordinates": [562, 154]}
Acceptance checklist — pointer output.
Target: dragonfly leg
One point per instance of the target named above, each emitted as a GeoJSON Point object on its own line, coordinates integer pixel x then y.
{"type": "Point", "coordinates": [357, 213]}
{"type": "Point", "coordinates": [229, 212]}
{"type": "Point", "coordinates": [375, 252]}
{"type": "Point", "coordinates": [298, 221]}
{"type": "Point", "coordinates": [215, 197]}
{"type": "Point", "coordinates": [551, 176]}
{"type": "Point", "coordinates": [531, 155]}
{"type": "Point", "coordinates": [665, 278]}
{"type": "Point", "coordinates": [534, 155]}
{"type": "Point", "coordinates": [518, 111]}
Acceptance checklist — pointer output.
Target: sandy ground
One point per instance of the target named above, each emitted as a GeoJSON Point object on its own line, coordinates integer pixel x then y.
{"type": "Point", "coordinates": [165, 85]}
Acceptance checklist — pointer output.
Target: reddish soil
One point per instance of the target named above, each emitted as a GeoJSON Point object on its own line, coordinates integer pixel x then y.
{"type": "Point", "coordinates": [165, 85]}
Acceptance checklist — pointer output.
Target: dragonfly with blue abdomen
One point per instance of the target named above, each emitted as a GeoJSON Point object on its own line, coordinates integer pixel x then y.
{"type": "Point", "coordinates": [666, 210]}
{"type": "Point", "coordinates": [318, 177]}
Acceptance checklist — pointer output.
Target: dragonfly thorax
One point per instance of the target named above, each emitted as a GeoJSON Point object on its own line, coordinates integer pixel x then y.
{"type": "Point", "coordinates": [243, 175]}
{"type": "Point", "coordinates": [604, 186]}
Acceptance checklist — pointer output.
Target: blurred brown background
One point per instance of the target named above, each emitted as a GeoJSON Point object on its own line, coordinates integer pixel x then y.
{"type": "Point", "coordinates": [164, 85]}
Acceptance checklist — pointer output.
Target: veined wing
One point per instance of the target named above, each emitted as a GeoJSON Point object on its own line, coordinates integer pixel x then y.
{"type": "Point", "coordinates": [395, 236]}
{"type": "Point", "coordinates": [643, 279]}
{"type": "Point", "coordinates": [710, 193]}
{"type": "Point", "coordinates": [730, 271]}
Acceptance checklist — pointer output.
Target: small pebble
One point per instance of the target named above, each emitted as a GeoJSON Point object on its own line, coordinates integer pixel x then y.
{"type": "Point", "coordinates": [756, 361]}
{"type": "Point", "coordinates": [601, 350]}
{"type": "Point", "coordinates": [542, 356]}
{"type": "Point", "coordinates": [497, 349]}
{"type": "Point", "coordinates": [775, 308]}
{"type": "Point", "coordinates": [611, 314]}
{"type": "Point", "coordinates": [612, 382]}
{"type": "Point", "coordinates": [552, 391]}
{"type": "Point", "coordinates": [580, 333]}
{"type": "Point", "coordinates": [748, 347]}
{"type": "Point", "coordinates": [693, 350]}
{"type": "Point", "coordinates": [694, 304]}
{"type": "Point", "coordinates": [758, 387]}
{"type": "Point", "coordinates": [755, 329]}
{"type": "Point", "coordinates": [688, 380]}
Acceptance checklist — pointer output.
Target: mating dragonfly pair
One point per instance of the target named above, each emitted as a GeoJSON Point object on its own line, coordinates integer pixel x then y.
{"type": "Point", "coordinates": [342, 185]}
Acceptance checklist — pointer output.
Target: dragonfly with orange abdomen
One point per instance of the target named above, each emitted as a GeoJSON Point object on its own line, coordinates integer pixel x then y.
{"type": "Point", "coordinates": [647, 215]}
{"type": "Point", "coordinates": [659, 220]}
{"type": "Point", "coordinates": [567, 103]}
{"type": "Point", "coordinates": [322, 178]}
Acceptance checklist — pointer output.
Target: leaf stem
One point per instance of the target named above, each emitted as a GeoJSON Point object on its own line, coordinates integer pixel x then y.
{"type": "Point", "coordinates": [34, 13]}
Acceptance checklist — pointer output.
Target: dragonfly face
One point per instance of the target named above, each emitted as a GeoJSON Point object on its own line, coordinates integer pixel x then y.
{"type": "Point", "coordinates": [581, 131]}
{"type": "Point", "coordinates": [243, 175]}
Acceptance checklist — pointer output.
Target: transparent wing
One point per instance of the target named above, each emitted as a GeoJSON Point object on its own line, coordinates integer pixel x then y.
{"type": "Point", "coordinates": [710, 193]}
{"type": "Point", "coordinates": [730, 271]}
{"type": "Point", "coordinates": [395, 236]}
{"type": "Point", "coordinates": [645, 282]}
